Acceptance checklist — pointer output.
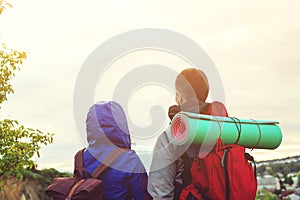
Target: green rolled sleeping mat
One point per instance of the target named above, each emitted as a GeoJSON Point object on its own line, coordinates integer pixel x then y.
{"type": "Point", "coordinates": [187, 128]}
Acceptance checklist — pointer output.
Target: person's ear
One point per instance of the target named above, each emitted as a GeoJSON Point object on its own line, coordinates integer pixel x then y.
{"type": "Point", "coordinates": [178, 97]}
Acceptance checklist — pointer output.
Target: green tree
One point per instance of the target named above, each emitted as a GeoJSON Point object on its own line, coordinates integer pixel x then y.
{"type": "Point", "coordinates": [298, 174]}
{"type": "Point", "coordinates": [288, 180]}
{"type": "Point", "coordinates": [3, 5]}
{"type": "Point", "coordinates": [10, 60]}
{"type": "Point", "coordinates": [265, 194]}
{"type": "Point", "coordinates": [17, 144]}
{"type": "Point", "coordinates": [45, 176]}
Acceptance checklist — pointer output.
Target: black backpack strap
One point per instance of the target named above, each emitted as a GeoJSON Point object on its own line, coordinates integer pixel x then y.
{"type": "Point", "coordinates": [186, 174]}
{"type": "Point", "coordinates": [250, 158]}
{"type": "Point", "coordinates": [116, 153]}
{"type": "Point", "coordinates": [79, 168]}
{"type": "Point", "coordinates": [225, 165]}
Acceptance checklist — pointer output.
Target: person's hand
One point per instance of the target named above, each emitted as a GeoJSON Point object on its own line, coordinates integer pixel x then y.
{"type": "Point", "coordinates": [173, 110]}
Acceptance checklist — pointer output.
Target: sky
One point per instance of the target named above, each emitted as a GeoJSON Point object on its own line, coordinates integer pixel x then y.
{"type": "Point", "coordinates": [254, 45]}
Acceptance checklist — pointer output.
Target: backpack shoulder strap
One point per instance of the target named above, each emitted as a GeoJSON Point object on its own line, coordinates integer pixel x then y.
{"type": "Point", "coordinates": [79, 168]}
{"type": "Point", "coordinates": [216, 108]}
{"type": "Point", "coordinates": [116, 153]}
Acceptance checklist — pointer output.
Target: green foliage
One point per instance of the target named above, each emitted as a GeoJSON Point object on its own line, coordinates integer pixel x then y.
{"type": "Point", "coordinates": [17, 146]}
{"type": "Point", "coordinates": [17, 143]}
{"type": "Point", "coordinates": [261, 169]}
{"type": "Point", "coordinates": [266, 195]}
{"type": "Point", "coordinates": [288, 180]}
{"type": "Point", "coordinates": [283, 168]}
{"type": "Point", "coordinates": [33, 185]}
{"type": "Point", "coordinates": [298, 174]}
{"type": "Point", "coordinates": [3, 5]}
{"type": "Point", "coordinates": [10, 60]}
{"type": "Point", "coordinates": [45, 176]}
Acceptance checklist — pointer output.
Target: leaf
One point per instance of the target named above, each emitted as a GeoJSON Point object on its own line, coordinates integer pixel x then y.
{"type": "Point", "coordinates": [18, 144]}
{"type": "Point", "coordinates": [9, 5]}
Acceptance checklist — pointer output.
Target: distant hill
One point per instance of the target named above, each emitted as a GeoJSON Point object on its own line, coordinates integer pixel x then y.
{"type": "Point", "coordinates": [278, 161]}
{"type": "Point", "coordinates": [283, 166]}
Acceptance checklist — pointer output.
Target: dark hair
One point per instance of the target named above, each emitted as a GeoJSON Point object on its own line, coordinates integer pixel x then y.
{"type": "Point", "coordinates": [191, 82]}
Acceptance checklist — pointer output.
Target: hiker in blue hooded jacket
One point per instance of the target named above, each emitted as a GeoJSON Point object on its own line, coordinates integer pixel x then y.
{"type": "Point", "coordinates": [107, 130]}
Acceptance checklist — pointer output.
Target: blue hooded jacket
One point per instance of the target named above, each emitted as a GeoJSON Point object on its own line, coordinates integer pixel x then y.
{"type": "Point", "coordinates": [107, 129]}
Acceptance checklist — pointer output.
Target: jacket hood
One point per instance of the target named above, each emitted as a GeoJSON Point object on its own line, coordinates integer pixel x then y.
{"type": "Point", "coordinates": [106, 125]}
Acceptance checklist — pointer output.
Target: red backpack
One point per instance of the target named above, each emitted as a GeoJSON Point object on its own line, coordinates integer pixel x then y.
{"type": "Point", "coordinates": [223, 174]}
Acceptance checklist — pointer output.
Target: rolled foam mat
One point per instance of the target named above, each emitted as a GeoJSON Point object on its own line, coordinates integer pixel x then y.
{"type": "Point", "coordinates": [194, 128]}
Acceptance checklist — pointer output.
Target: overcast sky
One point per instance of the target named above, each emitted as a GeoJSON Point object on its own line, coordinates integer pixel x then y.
{"type": "Point", "coordinates": [254, 45]}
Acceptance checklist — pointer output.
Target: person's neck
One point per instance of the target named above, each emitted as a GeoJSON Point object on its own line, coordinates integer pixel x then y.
{"type": "Point", "coordinates": [191, 100]}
